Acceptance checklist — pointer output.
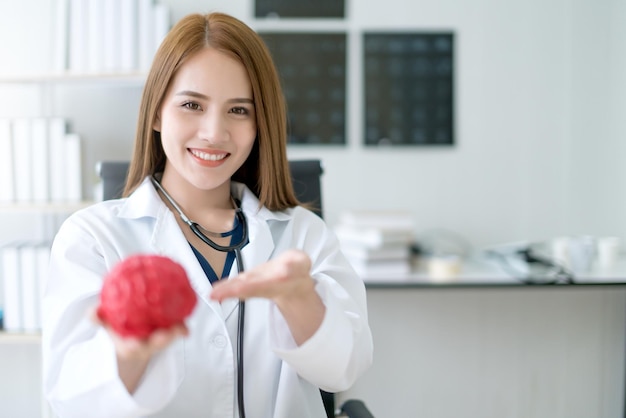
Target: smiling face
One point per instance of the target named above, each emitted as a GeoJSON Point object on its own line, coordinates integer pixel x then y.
{"type": "Point", "coordinates": [207, 123]}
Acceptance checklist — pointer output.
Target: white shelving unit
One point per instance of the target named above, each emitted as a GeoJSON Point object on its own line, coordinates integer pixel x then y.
{"type": "Point", "coordinates": [43, 219]}
{"type": "Point", "coordinates": [48, 85]}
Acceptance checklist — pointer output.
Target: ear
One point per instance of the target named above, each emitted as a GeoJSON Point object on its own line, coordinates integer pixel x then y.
{"type": "Point", "coordinates": [157, 123]}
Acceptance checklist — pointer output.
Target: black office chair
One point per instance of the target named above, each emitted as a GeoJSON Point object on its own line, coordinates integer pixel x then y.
{"type": "Point", "coordinates": [305, 176]}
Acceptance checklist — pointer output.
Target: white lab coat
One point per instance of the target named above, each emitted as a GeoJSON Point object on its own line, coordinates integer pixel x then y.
{"type": "Point", "coordinates": [195, 376]}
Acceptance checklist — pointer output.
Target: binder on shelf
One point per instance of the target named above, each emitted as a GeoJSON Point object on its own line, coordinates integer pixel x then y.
{"type": "Point", "coordinates": [7, 179]}
{"type": "Point", "coordinates": [73, 169]}
{"type": "Point", "coordinates": [61, 40]}
{"type": "Point", "coordinates": [112, 35]}
{"type": "Point", "coordinates": [11, 289]}
{"type": "Point", "coordinates": [40, 160]}
{"type": "Point", "coordinates": [23, 269]}
{"type": "Point", "coordinates": [146, 44]}
{"type": "Point", "coordinates": [22, 154]}
{"type": "Point", "coordinates": [29, 289]}
{"type": "Point", "coordinates": [95, 40]}
{"type": "Point", "coordinates": [57, 130]}
{"type": "Point", "coordinates": [128, 35]}
{"type": "Point", "coordinates": [42, 259]}
{"type": "Point", "coordinates": [95, 36]}
{"type": "Point", "coordinates": [78, 36]}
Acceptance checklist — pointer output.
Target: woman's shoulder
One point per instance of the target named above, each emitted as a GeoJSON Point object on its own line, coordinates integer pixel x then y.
{"type": "Point", "coordinates": [142, 202]}
{"type": "Point", "coordinates": [304, 212]}
{"type": "Point", "coordinates": [251, 206]}
{"type": "Point", "coordinates": [99, 212]}
{"type": "Point", "coordinates": [301, 219]}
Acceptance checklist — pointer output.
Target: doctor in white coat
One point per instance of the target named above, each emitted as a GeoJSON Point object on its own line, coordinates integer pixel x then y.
{"type": "Point", "coordinates": [211, 140]}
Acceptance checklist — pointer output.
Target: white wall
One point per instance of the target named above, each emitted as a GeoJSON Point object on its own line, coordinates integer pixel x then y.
{"type": "Point", "coordinates": [539, 97]}
{"type": "Point", "coordinates": [598, 132]}
{"type": "Point", "coordinates": [505, 179]}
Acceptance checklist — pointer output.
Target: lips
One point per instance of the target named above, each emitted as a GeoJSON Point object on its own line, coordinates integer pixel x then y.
{"type": "Point", "coordinates": [208, 155]}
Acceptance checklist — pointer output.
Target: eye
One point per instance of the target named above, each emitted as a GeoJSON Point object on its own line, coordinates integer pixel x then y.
{"type": "Point", "coordinates": [192, 106]}
{"type": "Point", "coordinates": [239, 111]}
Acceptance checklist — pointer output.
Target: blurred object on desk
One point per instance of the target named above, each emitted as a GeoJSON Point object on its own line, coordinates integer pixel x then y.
{"type": "Point", "coordinates": [560, 259]}
{"type": "Point", "coordinates": [443, 253]}
{"type": "Point", "coordinates": [531, 262]}
{"type": "Point", "coordinates": [608, 252]}
{"type": "Point", "coordinates": [377, 242]}
{"type": "Point", "coordinates": [582, 251]}
{"type": "Point", "coordinates": [585, 253]}
{"type": "Point", "coordinates": [442, 268]}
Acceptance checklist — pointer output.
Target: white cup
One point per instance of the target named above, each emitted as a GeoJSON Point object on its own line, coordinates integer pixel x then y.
{"type": "Point", "coordinates": [444, 267]}
{"type": "Point", "coordinates": [582, 250]}
{"type": "Point", "coordinates": [608, 251]}
{"type": "Point", "coordinates": [561, 251]}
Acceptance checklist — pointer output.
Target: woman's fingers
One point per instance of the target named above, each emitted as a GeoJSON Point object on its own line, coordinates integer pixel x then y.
{"type": "Point", "coordinates": [276, 278]}
{"type": "Point", "coordinates": [161, 338]}
{"type": "Point", "coordinates": [131, 347]}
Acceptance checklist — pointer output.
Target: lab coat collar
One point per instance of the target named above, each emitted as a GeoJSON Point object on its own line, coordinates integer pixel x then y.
{"type": "Point", "coordinates": [250, 204]}
{"type": "Point", "coordinates": [142, 203]}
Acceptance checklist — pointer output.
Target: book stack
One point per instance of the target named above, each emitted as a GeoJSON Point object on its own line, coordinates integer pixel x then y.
{"type": "Point", "coordinates": [108, 36]}
{"type": "Point", "coordinates": [40, 162]}
{"type": "Point", "coordinates": [377, 243]}
{"type": "Point", "coordinates": [23, 268]}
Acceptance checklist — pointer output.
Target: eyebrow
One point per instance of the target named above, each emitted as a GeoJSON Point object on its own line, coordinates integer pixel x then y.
{"type": "Point", "coordinates": [204, 97]}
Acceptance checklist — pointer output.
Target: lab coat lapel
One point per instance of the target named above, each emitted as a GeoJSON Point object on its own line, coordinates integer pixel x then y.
{"type": "Point", "coordinates": [168, 239]}
{"type": "Point", "coordinates": [258, 251]}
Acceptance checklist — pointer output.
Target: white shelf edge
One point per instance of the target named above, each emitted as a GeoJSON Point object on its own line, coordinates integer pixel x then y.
{"type": "Point", "coordinates": [130, 77]}
{"type": "Point", "coordinates": [20, 337]}
{"type": "Point", "coordinates": [52, 207]}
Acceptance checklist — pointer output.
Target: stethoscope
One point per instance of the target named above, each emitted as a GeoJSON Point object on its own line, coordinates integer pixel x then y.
{"type": "Point", "coordinates": [196, 228]}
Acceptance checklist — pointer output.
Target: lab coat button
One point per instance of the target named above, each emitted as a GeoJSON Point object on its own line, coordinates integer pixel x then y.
{"type": "Point", "coordinates": [219, 341]}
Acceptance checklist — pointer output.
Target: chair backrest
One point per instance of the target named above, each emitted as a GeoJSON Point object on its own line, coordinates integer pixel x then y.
{"type": "Point", "coordinates": [305, 175]}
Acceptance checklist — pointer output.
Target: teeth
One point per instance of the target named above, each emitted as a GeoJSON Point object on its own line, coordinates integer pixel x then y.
{"type": "Point", "coordinates": [208, 157]}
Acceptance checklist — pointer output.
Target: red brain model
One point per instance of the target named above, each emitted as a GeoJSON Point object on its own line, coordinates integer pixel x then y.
{"type": "Point", "coordinates": [144, 293]}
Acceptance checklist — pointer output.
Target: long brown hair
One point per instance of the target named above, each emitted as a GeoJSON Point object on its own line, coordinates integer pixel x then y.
{"type": "Point", "coordinates": [266, 171]}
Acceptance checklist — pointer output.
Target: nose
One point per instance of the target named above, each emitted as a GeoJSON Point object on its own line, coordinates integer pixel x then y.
{"type": "Point", "coordinates": [213, 127]}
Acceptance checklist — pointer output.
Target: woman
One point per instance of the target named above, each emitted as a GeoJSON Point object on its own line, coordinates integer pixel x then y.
{"type": "Point", "coordinates": [211, 138]}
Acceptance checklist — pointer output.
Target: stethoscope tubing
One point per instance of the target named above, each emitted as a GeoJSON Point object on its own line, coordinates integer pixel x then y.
{"type": "Point", "coordinates": [236, 248]}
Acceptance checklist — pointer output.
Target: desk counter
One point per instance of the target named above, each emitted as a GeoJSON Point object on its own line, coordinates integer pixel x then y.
{"type": "Point", "coordinates": [485, 345]}
{"type": "Point", "coordinates": [483, 272]}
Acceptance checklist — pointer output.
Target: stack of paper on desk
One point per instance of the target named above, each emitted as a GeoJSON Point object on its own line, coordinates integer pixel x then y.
{"type": "Point", "coordinates": [377, 243]}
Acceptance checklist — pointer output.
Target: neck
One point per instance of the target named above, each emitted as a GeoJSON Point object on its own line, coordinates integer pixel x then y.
{"type": "Point", "coordinates": [191, 198]}
{"type": "Point", "coordinates": [212, 209]}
